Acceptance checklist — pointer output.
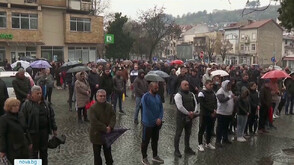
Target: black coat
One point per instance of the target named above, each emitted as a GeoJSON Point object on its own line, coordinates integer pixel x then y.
{"type": "Point", "coordinates": [14, 138]}
{"type": "Point", "coordinates": [93, 79]}
{"type": "Point", "coordinates": [106, 83]}
{"type": "Point", "coordinates": [31, 110]}
{"type": "Point", "coordinates": [3, 96]}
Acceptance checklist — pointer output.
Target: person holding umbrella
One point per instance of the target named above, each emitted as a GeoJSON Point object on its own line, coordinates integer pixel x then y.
{"type": "Point", "coordinates": [102, 120]}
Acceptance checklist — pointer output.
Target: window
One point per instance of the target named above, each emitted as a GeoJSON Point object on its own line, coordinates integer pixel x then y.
{"type": "Point", "coordinates": [243, 37]}
{"type": "Point", "coordinates": [24, 21]}
{"type": "Point", "coordinates": [2, 20]}
{"type": "Point", "coordinates": [52, 53]}
{"type": "Point", "coordinates": [31, 51]}
{"type": "Point", "coordinates": [253, 36]}
{"type": "Point", "coordinates": [80, 24]}
{"type": "Point", "coordinates": [84, 54]}
{"type": "Point", "coordinates": [242, 46]}
{"type": "Point", "coordinates": [2, 54]}
{"type": "Point", "coordinates": [252, 46]}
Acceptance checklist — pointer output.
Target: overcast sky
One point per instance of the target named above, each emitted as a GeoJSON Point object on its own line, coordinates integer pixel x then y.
{"type": "Point", "coordinates": [176, 7]}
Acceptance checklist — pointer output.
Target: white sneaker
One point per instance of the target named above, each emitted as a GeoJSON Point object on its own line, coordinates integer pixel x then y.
{"type": "Point", "coordinates": [241, 139]}
{"type": "Point", "coordinates": [210, 146]}
{"type": "Point", "coordinates": [200, 147]}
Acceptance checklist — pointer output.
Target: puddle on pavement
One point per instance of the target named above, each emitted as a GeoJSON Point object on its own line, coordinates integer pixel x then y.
{"type": "Point", "coordinates": [285, 157]}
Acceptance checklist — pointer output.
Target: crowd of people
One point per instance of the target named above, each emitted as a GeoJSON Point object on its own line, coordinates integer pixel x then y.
{"type": "Point", "coordinates": [241, 103]}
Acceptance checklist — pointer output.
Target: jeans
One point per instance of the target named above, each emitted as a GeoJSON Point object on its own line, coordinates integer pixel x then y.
{"type": "Point", "coordinates": [117, 96]}
{"type": "Point", "coordinates": [108, 98]}
{"type": "Point", "coordinates": [97, 154]}
{"type": "Point", "coordinates": [40, 145]}
{"type": "Point", "coordinates": [206, 124]}
{"type": "Point", "coordinates": [222, 128]}
{"type": "Point", "coordinates": [290, 100]}
{"type": "Point", "coordinates": [138, 103]}
{"type": "Point", "coordinates": [241, 124]}
{"type": "Point", "coordinates": [49, 93]}
{"type": "Point", "coordinates": [263, 116]}
{"type": "Point", "coordinates": [183, 123]}
{"type": "Point", "coordinates": [153, 134]}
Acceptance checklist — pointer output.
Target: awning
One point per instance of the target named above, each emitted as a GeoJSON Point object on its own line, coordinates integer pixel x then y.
{"type": "Point", "coordinates": [289, 58]}
{"type": "Point", "coordinates": [17, 43]}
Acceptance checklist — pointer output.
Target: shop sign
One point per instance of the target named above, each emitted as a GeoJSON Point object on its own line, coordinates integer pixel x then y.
{"type": "Point", "coordinates": [6, 36]}
{"type": "Point", "coordinates": [109, 39]}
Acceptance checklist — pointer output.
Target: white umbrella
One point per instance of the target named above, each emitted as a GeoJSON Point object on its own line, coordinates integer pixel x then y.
{"type": "Point", "coordinates": [24, 64]}
{"type": "Point", "coordinates": [221, 73]}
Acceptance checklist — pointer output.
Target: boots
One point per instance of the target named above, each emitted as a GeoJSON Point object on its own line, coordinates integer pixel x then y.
{"type": "Point", "coordinates": [80, 115]}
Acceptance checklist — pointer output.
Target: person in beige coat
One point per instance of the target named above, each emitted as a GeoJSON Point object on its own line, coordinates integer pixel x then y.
{"type": "Point", "coordinates": [83, 93]}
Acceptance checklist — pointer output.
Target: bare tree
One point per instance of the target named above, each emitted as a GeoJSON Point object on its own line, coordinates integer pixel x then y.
{"type": "Point", "coordinates": [157, 26]}
{"type": "Point", "coordinates": [225, 47]}
{"type": "Point", "coordinates": [100, 6]}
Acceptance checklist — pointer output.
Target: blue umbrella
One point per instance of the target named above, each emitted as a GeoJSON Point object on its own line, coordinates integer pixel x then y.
{"type": "Point", "coordinates": [110, 138]}
{"type": "Point", "coordinates": [101, 61]}
{"type": "Point", "coordinates": [40, 64]}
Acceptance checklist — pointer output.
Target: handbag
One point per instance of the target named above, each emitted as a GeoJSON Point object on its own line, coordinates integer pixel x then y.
{"type": "Point", "coordinates": [4, 161]}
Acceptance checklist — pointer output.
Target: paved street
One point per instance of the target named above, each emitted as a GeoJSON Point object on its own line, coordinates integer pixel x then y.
{"type": "Point", "coordinates": [274, 148]}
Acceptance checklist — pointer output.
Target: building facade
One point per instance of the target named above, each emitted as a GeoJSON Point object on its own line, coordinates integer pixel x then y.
{"type": "Point", "coordinates": [288, 51]}
{"type": "Point", "coordinates": [57, 30]}
{"type": "Point", "coordinates": [254, 42]}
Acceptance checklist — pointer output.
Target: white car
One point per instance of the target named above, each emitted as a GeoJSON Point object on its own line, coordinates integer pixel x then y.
{"type": "Point", "coordinates": [8, 77]}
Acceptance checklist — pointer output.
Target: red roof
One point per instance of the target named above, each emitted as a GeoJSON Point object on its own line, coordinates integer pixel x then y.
{"type": "Point", "coordinates": [257, 24]}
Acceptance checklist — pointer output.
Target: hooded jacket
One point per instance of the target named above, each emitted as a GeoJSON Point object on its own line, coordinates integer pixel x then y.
{"type": "Point", "coordinates": [206, 77]}
{"type": "Point", "coordinates": [81, 88]}
{"type": "Point", "coordinates": [140, 85]}
{"type": "Point", "coordinates": [225, 101]}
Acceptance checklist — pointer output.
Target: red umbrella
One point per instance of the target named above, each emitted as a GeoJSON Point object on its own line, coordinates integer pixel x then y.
{"type": "Point", "coordinates": [178, 62]}
{"type": "Point", "coordinates": [275, 74]}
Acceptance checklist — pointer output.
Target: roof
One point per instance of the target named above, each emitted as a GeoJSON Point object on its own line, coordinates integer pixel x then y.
{"type": "Point", "coordinates": [259, 24]}
{"type": "Point", "coordinates": [197, 29]}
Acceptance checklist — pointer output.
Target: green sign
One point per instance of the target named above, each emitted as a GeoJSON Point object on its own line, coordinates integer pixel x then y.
{"type": "Point", "coordinates": [109, 39]}
{"type": "Point", "coordinates": [6, 36]}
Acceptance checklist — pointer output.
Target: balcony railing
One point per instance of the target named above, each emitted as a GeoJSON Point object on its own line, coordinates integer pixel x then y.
{"type": "Point", "coordinates": [80, 5]}
{"type": "Point", "coordinates": [30, 1]}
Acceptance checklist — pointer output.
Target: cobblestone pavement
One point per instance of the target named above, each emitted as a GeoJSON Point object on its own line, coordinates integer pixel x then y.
{"type": "Point", "coordinates": [273, 148]}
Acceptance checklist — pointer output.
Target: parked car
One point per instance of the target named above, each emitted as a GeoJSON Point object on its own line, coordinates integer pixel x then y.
{"type": "Point", "coordinates": [8, 77]}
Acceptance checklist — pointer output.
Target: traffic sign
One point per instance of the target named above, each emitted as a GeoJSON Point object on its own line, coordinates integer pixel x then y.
{"type": "Point", "coordinates": [154, 58]}
{"type": "Point", "coordinates": [273, 59]}
{"type": "Point", "coordinates": [109, 39]}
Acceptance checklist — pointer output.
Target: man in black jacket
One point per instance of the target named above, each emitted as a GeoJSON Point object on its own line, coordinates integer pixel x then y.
{"type": "Point", "coordinates": [187, 109]}
{"type": "Point", "coordinates": [106, 83]}
{"type": "Point", "coordinates": [40, 121]}
{"type": "Point", "coordinates": [3, 96]}
{"type": "Point", "coordinates": [21, 85]}
{"type": "Point", "coordinates": [243, 83]}
{"type": "Point", "coordinates": [208, 106]}
{"type": "Point", "coordinates": [266, 103]}
{"type": "Point", "coordinates": [93, 79]}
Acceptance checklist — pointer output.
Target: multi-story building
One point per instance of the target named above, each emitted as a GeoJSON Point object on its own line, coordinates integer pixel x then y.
{"type": "Point", "coordinates": [288, 51]}
{"type": "Point", "coordinates": [255, 42]}
{"type": "Point", "coordinates": [208, 44]}
{"type": "Point", "coordinates": [58, 30]}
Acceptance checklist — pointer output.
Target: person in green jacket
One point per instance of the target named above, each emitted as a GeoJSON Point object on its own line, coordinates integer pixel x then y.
{"type": "Point", "coordinates": [102, 120]}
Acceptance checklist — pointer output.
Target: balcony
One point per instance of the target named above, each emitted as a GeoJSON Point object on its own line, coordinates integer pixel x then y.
{"type": "Point", "coordinates": [80, 5]}
{"type": "Point", "coordinates": [20, 1]}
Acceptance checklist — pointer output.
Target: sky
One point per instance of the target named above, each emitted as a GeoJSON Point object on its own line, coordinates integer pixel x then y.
{"type": "Point", "coordinates": [131, 8]}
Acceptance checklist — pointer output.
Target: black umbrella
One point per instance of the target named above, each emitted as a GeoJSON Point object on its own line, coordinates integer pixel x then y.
{"type": "Point", "coordinates": [111, 137]}
{"type": "Point", "coordinates": [78, 69]}
{"type": "Point", "coordinates": [159, 73]}
{"type": "Point", "coordinates": [69, 65]}
{"type": "Point", "coordinates": [153, 77]}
